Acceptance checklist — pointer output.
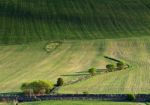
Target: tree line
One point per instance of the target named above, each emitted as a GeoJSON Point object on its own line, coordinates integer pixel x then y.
{"type": "Point", "coordinates": [109, 68]}
{"type": "Point", "coordinates": [42, 87]}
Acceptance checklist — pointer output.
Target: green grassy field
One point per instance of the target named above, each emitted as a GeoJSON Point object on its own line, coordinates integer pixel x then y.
{"type": "Point", "coordinates": [135, 80]}
{"type": "Point", "coordinates": [29, 20]}
{"type": "Point", "coordinates": [79, 103]}
{"type": "Point", "coordinates": [28, 62]}
{"type": "Point", "coordinates": [89, 30]}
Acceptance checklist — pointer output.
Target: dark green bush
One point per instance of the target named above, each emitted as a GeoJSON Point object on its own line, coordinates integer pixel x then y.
{"type": "Point", "coordinates": [120, 65]}
{"type": "Point", "coordinates": [110, 67]}
{"type": "Point", "coordinates": [60, 82]}
{"type": "Point", "coordinates": [92, 71]}
{"type": "Point", "coordinates": [131, 97]}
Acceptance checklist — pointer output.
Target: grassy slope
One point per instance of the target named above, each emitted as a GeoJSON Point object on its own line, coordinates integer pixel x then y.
{"type": "Point", "coordinates": [135, 80]}
{"type": "Point", "coordinates": [21, 63]}
{"type": "Point", "coordinates": [30, 20]}
{"type": "Point", "coordinates": [80, 103]}
{"type": "Point", "coordinates": [18, 67]}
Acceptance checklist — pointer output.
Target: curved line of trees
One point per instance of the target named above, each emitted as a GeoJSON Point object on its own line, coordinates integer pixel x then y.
{"type": "Point", "coordinates": [45, 87]}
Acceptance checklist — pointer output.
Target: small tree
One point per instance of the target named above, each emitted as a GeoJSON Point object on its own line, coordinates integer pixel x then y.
{"type": "Point", "coordinates": [110, 67]}
{"type": "Point", "coordinates": [60, 82]}
{"type": "Point", "coordinates": [120, 65]}
{"type": "Point", "coordinates": [92, 71]}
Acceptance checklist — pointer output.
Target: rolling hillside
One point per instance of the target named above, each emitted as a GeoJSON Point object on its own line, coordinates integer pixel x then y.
{"type": "Point", "coordinates": [22, 63]}
{"type": "Point", "coordinates": [88, 30]}
{"type": "Point", "coordinates": [23, 21]}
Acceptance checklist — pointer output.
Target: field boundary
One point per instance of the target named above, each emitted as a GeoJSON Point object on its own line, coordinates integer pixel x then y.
{"type": "Point", "coordinates": [101, 97]}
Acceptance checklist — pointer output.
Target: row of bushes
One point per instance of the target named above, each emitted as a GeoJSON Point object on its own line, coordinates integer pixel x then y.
{"type": "Point", "coordinates": [118, 66]}
{"type": "Point", "coordinates": [109, 68]}
{"type": "Point", "coordinates": [45, 87]}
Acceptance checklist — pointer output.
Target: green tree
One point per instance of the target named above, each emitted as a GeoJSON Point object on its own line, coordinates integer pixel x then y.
{"type": "Point", "coordinates": [110, 67]}
{"type": "Point", "coordinates": [37, 87]}
{"type": "Point", "coordinates": [60, 82]}
{"type": "Point", "coordinates": [24, 86]}
{"type": "Point", "coordinates": [92, 71]}
{"type": "Point", "coordinates": [26, 89]}
{"type": "Point", "coordinates": [120, 65]}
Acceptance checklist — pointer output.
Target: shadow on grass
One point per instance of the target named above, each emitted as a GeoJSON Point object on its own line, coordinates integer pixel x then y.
{"type": "Point", "coordinates": [101, 70]}
{"type": "Point", "coordinates": [85, 73]}
{"type": "Point", "coordinates": [76, 74]}
{"type": "Point", "coordinates": [80, 72]}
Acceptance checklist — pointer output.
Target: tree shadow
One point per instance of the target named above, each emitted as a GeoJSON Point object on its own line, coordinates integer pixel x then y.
{"type": "Point", "coordinates": [80, 72]}
{"type": "Point", "coordinates": [76, 74]}
{"type": "Point", "coordinates": [101, 70]}
{"type": "Point", "coordinates": [85, 73]}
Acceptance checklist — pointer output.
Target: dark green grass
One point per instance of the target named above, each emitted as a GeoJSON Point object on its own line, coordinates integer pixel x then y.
{"type": "Point", "coordinates": [34, 20]}
{"type": "Point", "coordinates": [65, 102]}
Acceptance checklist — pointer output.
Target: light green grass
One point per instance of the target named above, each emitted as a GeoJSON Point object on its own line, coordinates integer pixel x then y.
{"type": "Point", "coordinates": [28, 62]}
{"type": "Point", "coordinates": [79, 103]}
{"type": "Point", "coordinates": [134, 80]}
{"type": "Point", "coordinates": [29, 20]}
